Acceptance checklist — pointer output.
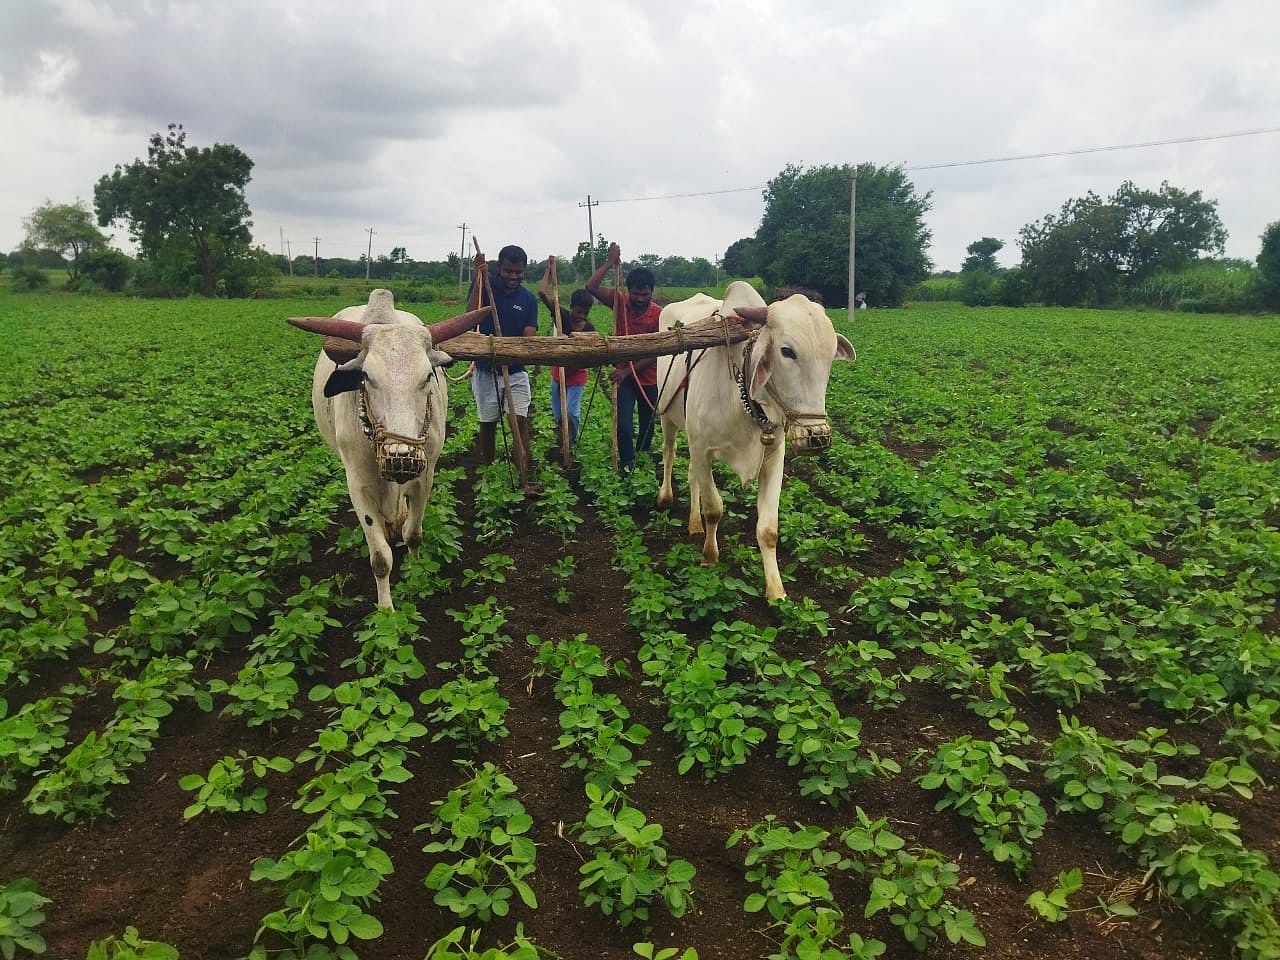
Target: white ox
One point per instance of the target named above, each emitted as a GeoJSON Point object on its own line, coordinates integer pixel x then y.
{"type": "Point", "coordinates": [741, 404]}
{"type": "Point", "coordinates": [383, 414]}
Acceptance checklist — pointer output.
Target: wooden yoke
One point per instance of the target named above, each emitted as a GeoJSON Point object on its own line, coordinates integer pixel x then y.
{"type": "Point", "coordinates": [580, 349]}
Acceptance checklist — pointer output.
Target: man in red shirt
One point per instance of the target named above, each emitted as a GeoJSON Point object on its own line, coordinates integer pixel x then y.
{"type": "Point", "coordinates": [636, 380]}
{"type": "Point", "coordinates": [574, 320]}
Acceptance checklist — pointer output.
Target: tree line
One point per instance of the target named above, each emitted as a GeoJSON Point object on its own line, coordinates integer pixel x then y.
{"type": "Point", "coordinates": [185, 208]}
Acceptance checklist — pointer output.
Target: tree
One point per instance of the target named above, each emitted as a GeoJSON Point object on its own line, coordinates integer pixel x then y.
{"type": "Point", "coordinates": [982, 255]}
{"type": "Point", "coordinates": [1092, 250]}
{"type": "Point", "coordinates": [1267, 284]}
{"type": "Point", "coordinates": [739, 258]}
{"type": "Point", "coordinates": [979, 272]}
{"type": "Point", "coordinates": [64, 229]}
{"type": "Point", "coordinates": [804, 234]}
{"type": "Point", "coordinates": [582, 258]}
{"type": "Point", "coordinates": [185, 207]}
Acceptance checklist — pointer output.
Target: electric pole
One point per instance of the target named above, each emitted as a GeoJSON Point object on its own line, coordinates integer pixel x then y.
{"type": "Point", "coordinates": [591, 230]}
{"type": "Point", "coordinates": [368, 257]}
{"type": "Point", "coordinates": [853, 202]}
{"type": "Point", "coordinates": [462, 257]}
{"type": "Point", "coordinates": [317, 240]}
{"type": "Point", "coordinates": [289, 246]}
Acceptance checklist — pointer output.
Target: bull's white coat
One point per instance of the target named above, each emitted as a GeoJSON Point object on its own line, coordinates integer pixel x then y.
{"type": "Point", "coordinates": [711, 414]}
{"type": "Point", "coordinates": [408, 394]}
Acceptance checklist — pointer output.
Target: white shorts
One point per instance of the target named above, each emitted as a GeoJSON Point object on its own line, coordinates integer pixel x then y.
{"type": "Point", "coordinates": [489, 403]}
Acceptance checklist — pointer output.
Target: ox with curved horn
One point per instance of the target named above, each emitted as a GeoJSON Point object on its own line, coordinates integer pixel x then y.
{"type": "Point", "coordinates": [382, 411]}
{"type": "Point", "coordinates": [745, 405]}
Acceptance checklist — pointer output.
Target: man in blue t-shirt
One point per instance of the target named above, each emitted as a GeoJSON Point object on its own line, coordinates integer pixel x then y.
{"type": "Point", "coordinates": [517, 317]}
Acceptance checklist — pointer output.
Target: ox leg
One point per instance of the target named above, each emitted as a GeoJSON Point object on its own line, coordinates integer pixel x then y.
{"type": "Point", "coordinates": [705, 504]}
{"type": "Point", "coordinates": [767, 494]}
{"type": "Point", "coordinates": [367, 504]}
{"type": "Point", "coordinates": [667, 494]}
{"type": "Point", "coordinates": [695, 499]}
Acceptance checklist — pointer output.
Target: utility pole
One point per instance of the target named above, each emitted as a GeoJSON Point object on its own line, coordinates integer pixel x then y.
{"type": "Point", "coordinates": [317, 240]}
{"type": "Point", "coordinates": [591, 230]}
{"type": "Point", "coordinates": [289, 246]}
{"type": "Point", "coordinates": [368, 257]}
{"type": "Point", "coordinates": [462, 256]}
{"type": "Point", "coordinates": [853, 202]}
{"type": "Point", "coordinates": [282, 241]}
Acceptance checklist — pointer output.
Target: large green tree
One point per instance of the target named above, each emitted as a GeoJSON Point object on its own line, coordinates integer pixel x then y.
{"type": "Point", "coordinates": [1268, 276]}
{"type": "Point", "coordinates": [185, 207]}
{"type": "Point", "coordinates": [66, 229]}
{"type": "Point", "coordinates": [1093, 249]}
{"type": "Point", "coordinates": [804, 234]}
{"type": "Point", "coordinates": [982, 255]}
{"type": "Point", "coordinates": [740, 259]}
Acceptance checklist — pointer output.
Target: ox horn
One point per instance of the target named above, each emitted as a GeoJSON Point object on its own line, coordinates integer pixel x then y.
{"type": "Point", "coordinates": [755, 315]}
{"type": "Point", "coordinates": [443, 330]}
{"type": "Point", "coordinates": [329, 327]}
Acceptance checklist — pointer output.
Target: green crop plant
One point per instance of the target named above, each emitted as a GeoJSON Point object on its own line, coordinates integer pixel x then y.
{"type": "Point", "coordinates": [20, 918]}
{"type": "Point", "coordinates": [263, 692]}
{"type": "Point", "coordinates": [970, 773]}
{"type": "Point", "coordinates": [463, 944]}
{"type": "Point", "coordinates": [130, 945]}
{"type": "Point", "coordinates": [485, 827]}
{"type": "Point", "coordinates": [222, 790]}
{"type": "Point", "coordinates": [629, 869]}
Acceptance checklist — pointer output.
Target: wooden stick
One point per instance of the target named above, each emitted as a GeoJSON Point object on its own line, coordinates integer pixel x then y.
{"type": "Point", "coordinates": [614, 394]}
{"type": "Point", "coordinates": [564, 391]}
{"type": "Point", "coordinates": [517, 440]}
{"type": "Point", "coordinates": [619, 328]}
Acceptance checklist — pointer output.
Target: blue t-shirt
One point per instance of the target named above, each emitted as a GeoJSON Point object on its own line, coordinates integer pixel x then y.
{"type": "Point", "coordinates": [516, 310]}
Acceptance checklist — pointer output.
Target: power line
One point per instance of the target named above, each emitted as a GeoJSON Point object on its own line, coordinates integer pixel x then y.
{"type": "Point", "coordinates": [974, 163]}
{"type": "Point", "coordinates": [1082, 150]}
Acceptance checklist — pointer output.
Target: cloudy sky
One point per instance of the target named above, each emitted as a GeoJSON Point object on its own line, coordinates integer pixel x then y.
{"type": "Point", "coordinates": [412, 118]}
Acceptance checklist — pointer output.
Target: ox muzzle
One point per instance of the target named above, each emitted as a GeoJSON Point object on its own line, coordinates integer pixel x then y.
{"type": "Point", "coordinates": [399, 462]}
{"type": "Point", "coordinates": [399, 458]}
{"type": "Point", "coordinates": [808, 433]}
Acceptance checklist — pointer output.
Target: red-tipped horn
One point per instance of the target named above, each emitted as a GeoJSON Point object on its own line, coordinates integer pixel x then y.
{"type": "Point", "coordinates": [756, 315]}
{"type": "Point", "coordinates": [329, 327]}
{"type": "Point", "coordinates": [443, 330]}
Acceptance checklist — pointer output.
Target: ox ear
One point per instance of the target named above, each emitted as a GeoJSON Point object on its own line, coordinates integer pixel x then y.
{"type": "Point", "coordinates": [343, 380]}
{"type": "Point", "coordinates": [761, 368]}
{"type": "Point", "coordinates": [844, 349]}
{"type": "Point", "coordinates": [440, 359]}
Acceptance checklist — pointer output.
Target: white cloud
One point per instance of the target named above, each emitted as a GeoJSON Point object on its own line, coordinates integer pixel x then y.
{"type": "Point", "coordinates": [414, 118]}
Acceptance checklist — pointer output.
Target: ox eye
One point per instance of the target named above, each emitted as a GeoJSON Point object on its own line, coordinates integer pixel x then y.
{"type": "Point", "coordinates": [788, 353]}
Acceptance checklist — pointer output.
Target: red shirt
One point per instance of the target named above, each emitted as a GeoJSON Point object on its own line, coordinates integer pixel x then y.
{"type": "Point", "coordinates": [646, 322]}
{"type": "Point", "coordinates": [577, 377]}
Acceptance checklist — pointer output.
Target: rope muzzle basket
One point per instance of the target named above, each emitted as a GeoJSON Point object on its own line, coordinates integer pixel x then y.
{"type": "Point", "coordinates": [399, 458]}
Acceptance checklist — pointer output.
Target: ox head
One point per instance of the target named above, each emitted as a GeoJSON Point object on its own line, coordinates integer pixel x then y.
{"type": "Point", "coordinates": [393, 371]}
{"type": "Point", "coordinates": [790, 363]}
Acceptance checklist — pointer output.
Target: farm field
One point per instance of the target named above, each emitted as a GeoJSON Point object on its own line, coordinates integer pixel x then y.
{"type": "Point", "coordinates": [1030, 651]}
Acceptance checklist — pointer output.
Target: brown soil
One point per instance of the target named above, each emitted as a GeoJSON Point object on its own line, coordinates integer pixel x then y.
{"type": "Point", "coordinates": [187, 882]}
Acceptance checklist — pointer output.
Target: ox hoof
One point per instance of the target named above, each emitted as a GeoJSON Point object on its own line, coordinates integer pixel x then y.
{"type": "Point", "coordinates": [666, 500]}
